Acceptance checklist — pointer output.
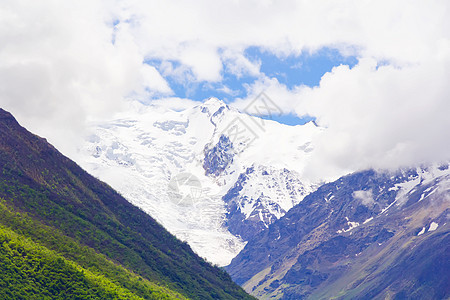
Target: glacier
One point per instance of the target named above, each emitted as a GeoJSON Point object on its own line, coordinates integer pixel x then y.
{"type": "Point", "coordinates": [210, 174]}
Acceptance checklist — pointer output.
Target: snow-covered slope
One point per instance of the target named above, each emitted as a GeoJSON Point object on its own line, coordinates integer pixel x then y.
{"type": "Point", "coordinates": [260, 196]}
{"type": "Point", "coordinates": [204, 171]}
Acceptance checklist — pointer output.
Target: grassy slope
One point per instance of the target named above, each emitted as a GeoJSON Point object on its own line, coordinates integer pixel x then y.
{"type": "Point", "coordinates": [41, 252]}
{"type": "Point", "coordinates": [58, 196]}
{"type": "Point", "coordinates": [31, 271]}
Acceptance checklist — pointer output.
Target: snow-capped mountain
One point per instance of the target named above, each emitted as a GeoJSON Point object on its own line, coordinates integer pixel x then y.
{"type": "Point", "coordinates": [368, 235]}
{"type": "Point", "coordinates": [210, 174]}
{"type": "Point", "coordinates": [260, 196]}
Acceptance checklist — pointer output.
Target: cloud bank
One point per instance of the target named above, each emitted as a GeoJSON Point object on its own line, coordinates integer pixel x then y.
{"type": "Point", "coordinates": [65, 62]}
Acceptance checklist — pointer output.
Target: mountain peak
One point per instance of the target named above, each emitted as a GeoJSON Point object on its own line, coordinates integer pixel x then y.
{"type": "Point", "coordinates": [212, 105]}
{"type": "Point", "coordinates": [211, 101]}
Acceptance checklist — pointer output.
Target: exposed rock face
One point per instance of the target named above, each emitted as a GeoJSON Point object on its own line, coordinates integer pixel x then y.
{"type": "Point", "coordinates": [260, 196]}
{"type": "Point", "coordinates": [367, 235]}
{"type": "Point", "coordinates": [219, 157]}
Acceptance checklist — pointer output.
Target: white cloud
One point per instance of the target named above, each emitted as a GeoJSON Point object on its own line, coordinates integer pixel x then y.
{"type": "Point", "coordinates": [58, 66]}
{"type": "Point", "coordinates": [382, 118]}
{"type": "Point", "coordinates": [366, 197]}
{"type": "Point", "coordinates": [239, 65]}
{"type": "Point", "coordinates": [376, 116]}
{"type": "Point", "coordinates": [204, 62]}
{"type": "Point", "coordinates": [286, 99]}
{"type": "Point", "coordinates": [154, 81]}
{"type": "Point", "coordinates": [63, 62]}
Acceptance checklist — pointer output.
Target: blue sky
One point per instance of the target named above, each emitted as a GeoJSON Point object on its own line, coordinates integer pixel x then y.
{"type": "Point", "coordinates": [291, 71]}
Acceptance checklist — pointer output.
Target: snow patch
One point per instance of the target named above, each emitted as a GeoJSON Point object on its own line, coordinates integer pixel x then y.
{"type": "Point", "coordinates": [368, 220]}
{"type": "Point", "coordinates": [433, 226]}
{"type": "Point", "coordinates": [352, 225]}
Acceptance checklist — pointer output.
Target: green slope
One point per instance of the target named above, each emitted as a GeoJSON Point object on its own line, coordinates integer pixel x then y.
{"type": "Point", "coordinates": [86, 226]}
{"type": "Point", "coordinates": [31, 271]}
{"type": "Point", "coordinates": [27, 250]}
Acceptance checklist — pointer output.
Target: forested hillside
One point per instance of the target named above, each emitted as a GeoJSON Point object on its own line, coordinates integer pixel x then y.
{"type": "Point", "coordinates": [65, 234]}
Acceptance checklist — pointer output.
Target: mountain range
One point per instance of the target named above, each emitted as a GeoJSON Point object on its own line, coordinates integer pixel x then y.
{"type": "Point", "coordinates": [233, 187]}
{"type": "Point", "coordinates": [215, 178]}
{"type": "Point", "coordinates": [368, 235]}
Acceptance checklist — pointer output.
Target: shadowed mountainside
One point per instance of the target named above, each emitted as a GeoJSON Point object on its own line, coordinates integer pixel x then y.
{"type": "Point", "coordinates": [368, 235]}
